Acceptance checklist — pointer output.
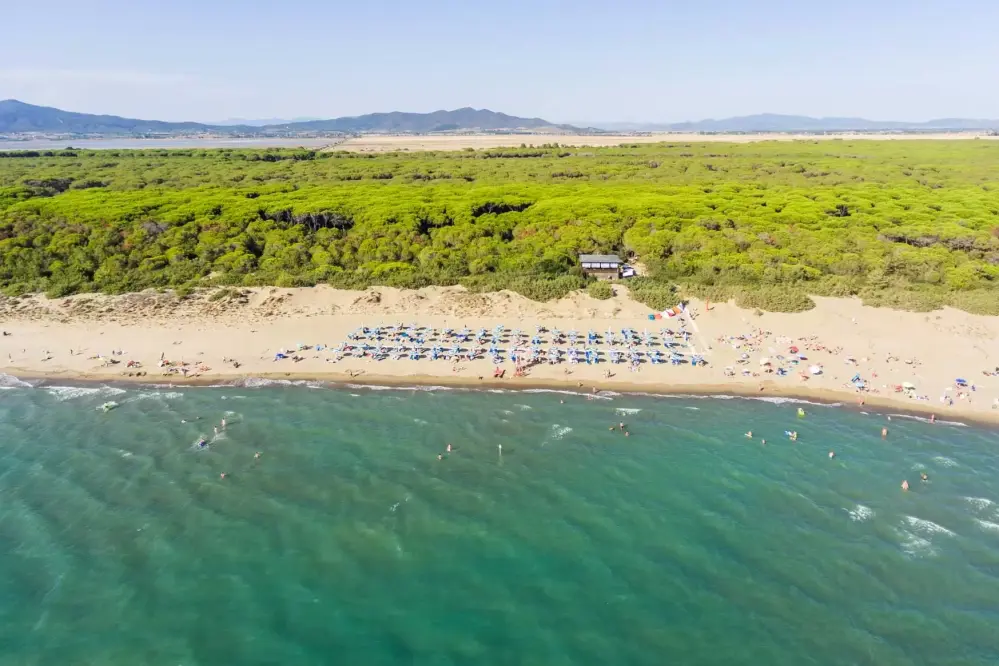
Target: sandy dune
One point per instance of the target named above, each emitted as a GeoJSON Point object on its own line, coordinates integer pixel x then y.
{"type": "Point", "coordinates": [250, 325]}
{"type": "Point", "coordinates": [385, 143]}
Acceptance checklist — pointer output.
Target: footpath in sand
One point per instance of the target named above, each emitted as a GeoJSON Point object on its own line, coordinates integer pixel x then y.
{"type": "Point", "coordinates": [215, 340]}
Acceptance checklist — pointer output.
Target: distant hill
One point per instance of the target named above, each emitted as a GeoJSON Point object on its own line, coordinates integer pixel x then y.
{"type": "Point", "coordinates": [16, 116]}
{"type": "Point", "coordinates": [261, 122]}
{"type": "Point", "coordinates": [437, 121]}
{"type": "Point", "coordinates": [772, 122]}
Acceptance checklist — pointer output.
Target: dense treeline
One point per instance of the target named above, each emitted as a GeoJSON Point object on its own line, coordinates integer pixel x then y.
{"type": "Point", "coordinates": [908, 223]}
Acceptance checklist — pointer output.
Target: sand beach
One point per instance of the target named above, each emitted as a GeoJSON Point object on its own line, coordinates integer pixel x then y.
{"type": "Point", "coordinates": [205, 339]}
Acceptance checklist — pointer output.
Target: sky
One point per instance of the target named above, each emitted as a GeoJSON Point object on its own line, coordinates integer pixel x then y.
{"type": "Point", "coordinates": [580, 61]}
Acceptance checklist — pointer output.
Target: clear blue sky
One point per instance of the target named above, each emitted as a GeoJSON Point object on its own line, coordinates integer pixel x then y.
{"type": "Point", "coordinates": [584, 60]}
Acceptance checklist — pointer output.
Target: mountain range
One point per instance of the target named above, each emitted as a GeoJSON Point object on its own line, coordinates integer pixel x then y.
{"type": "Point", "coordinates": [20, 117]}
{"type": "Point", "coordinates": [773, 122]}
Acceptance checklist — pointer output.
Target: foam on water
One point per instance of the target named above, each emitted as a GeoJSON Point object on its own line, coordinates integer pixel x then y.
{"type": "Point", "coordinates": [916, 546]}
{"type": "Point", "coordinates": [627, 410]}
{"type": "Point", "coordinates": [988, 526]}
{"type": "Point", "coordinates": [980, 503]}
{"type": "Point", "coordinates": [559, 431]}
{"type": "Point", "coordinates": [775, 400]}
{"type": "Point", "coordinates": [156, 395]}
{"type": "Point", "coordinates": [926, 526]}
{"type": "Point", "coordinates": [923, 419]}
{"type": "Point", "coordinates": [64, 393]}
{"type": "Point", "coordinates": [944, 461]}
{"type": "Point", "coordinates": [10, 382]}
{"type": "Point", "coordinates": [860, 513]}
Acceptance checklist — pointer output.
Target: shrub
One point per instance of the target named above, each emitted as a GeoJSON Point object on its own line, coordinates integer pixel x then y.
{"type": "Point", "coordinates": [600, 290]}
{"type": "Point", "coordinates": [774, 299]}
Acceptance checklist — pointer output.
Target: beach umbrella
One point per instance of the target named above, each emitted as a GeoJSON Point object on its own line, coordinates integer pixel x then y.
{"type": "Point", "coordinates": [908, 386]}
{"type": "Point", "coordinates": [764, 361]}
{"type": "Point", "coordinates": [815, 370]}
{"type": "Point", "coordinates": [793, 350]}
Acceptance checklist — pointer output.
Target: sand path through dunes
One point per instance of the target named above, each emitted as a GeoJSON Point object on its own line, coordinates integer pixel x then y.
{"type": "Point", "coordinates": [207, 332]}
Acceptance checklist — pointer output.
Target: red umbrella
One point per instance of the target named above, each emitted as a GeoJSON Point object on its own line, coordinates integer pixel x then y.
{"type": "Point", "coordinates": [794, 350]}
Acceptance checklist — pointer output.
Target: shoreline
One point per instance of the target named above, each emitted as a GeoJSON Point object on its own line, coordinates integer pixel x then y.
{"type": "Point", "coordinates": [819, 396]}
{"type": "Point", "coordinates": [273, 334]}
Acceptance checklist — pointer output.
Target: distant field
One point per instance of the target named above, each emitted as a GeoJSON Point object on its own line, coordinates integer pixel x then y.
{"type": "Point", "coordinates": [387, 143]}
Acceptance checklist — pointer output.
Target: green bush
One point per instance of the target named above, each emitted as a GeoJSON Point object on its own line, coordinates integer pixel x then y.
{"type": "Point", "coordinates": [657, 295]}
{"type": "Point", "coordinates": [774, 299]}
{"type": "Point", "coordinates": [601, 290]}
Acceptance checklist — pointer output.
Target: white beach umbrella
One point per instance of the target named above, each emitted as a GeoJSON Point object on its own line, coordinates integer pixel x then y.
{"type": "Point", "coordinates": [815, 370]}
{"type": "Point", "coordinates": [764, 361]}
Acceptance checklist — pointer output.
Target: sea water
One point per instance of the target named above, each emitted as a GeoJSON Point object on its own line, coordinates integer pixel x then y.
{"type": "Point", "coordinates": [544, 537]}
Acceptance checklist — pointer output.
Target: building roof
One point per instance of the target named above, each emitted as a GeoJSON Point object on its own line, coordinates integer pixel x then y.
{"type": "Point", "coordinates": [600, 258]}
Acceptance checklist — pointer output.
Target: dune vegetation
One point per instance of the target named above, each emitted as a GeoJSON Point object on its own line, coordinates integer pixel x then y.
{"type": "Point", "coordinates": [910, 224]}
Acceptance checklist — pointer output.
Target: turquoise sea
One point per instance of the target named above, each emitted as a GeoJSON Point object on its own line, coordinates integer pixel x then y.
{"type": "Point", "coordinates": [348, 542]}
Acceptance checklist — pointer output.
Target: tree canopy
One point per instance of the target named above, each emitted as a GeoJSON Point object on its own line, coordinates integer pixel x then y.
{"type": "Point", "coordinates": [911, 224]}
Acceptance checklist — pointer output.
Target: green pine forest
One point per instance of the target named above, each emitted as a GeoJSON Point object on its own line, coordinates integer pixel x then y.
{"type": "Point", "coordinates": [908, 224]}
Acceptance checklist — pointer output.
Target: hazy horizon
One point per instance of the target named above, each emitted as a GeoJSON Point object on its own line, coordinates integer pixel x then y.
{"type": "Point", "coordinates": [622, 62]}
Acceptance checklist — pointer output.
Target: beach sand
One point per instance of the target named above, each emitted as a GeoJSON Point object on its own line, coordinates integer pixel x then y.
{"type": "Point", "coordinates": [385, 142]}
{"type": "Point", "coordinates": [929, 350]}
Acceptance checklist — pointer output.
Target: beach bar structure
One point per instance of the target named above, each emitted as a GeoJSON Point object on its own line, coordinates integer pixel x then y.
{"type": "Point", "coordinates": [601, 266]}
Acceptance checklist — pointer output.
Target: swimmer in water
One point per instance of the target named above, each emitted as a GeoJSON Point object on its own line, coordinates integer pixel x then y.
{"type": "Point", "coordinates": [627, 434]}
{"type": "Point", "coordinates": [884, 433]}
{"type": "Point", "coordinates": [440, 457]}
{"type": "Point", "coordinates": [202, 443]}
{"type": "Point", "coordinates": [749, 435]}
{"type": "Point", "coordinates": [222, 475]}
{"type": "Point", "coordinates": [794, 436]}
{"type": "Point", "coordinates": [763, 442]}
{"type": "Point", "coordinates": [620, 426]}
{"type": "Point", "coordinates": [256, 455]}
{"type": "Point", "coordinates": [832, 455]}
{"type": "Point", "coordinates": [449, 448]}
{"type": "Point", "coordinates": [216, 431]}
{"type": "Point", "coordinates": [905, 485]}
{"type": "Point", "coordinates": [933, 418]}
{"type": "Point", "coordinates": [923, 477]}
{"type": "Point", "coordinates": [223, 424]}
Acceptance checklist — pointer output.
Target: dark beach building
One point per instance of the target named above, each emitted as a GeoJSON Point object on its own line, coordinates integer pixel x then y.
{"type": "Point", "coordinates": [601, 266]}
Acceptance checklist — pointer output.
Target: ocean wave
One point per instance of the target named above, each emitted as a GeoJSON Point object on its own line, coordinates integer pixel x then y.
{"type": "Point", "coordinates": [926, 526]}
{"type": "Point", "coordinates": [627, 410]}
{"type": "Point", "coordinates": [64, 393]}
{"type": "Point", "coordinates": [980, 503]}
{"type": "Point", "coordinates": [156, 395]}
{"type": "Point", "coordinates": [11, 382]}
{"type": "Point", "coordinates": [261, 382]}
{"type": "Point", "coordinates": [860, 513]}
{"type": "Point", "coordinates": [916, 546]}
{"type": "Point", "coordinates": [420, 422]}
{"type": "Point", "coordinates": [524, 407]}
{"type": "Point", "coordinates": [776, 400]}
{"type": "Point", "coordinates": [559, 431]}
{"type": "Point", "coordinates": [986, 525]}
{"type": "Point", "coordinates": [381, 387]}
{"type": "Point", "coordinates": [945, 461]}
{"type": "Point", "coordinates": [923, 419]}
